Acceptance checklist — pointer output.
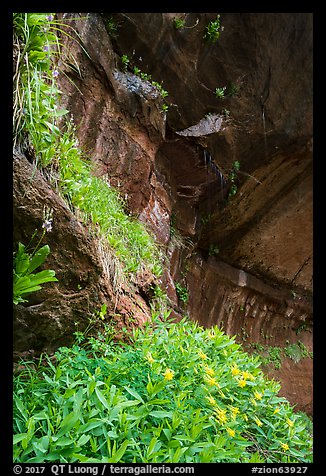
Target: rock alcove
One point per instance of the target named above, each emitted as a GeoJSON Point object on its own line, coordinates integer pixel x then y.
{"type": "Point", "coordinates": [245, 259]}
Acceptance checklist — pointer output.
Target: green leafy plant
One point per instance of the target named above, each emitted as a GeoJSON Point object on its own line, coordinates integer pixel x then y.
{"type": "Point", "coordinates": [112, 27]}
{"type": "Point", "coordinates": [213, 30]}
{"type": "Point", "coordinates": [25, 281]}
{"type": "Point", "coordinates": [297, 351]}
{"type": "Point", "coordinates": [213, 250]}
{"type": "Point", "coordinates": [178, 393]}
{"type": "Point", "coordinates": [219, 92]}
{"type": "Point", "coordinates": [273, 355]}
{"type": "Point", "coordinates": [233, 90]}
{"type": "Point", "coordinates": [182, 292]}
{"type": "Point", "coordinates": [36, 94]}
{"type": "Point", "coordinates": [125, 62]}
{"type": "Point", "coordinates": [232, 176]}
{"type": "Point", "coordinates": [147, 77]}
{"type": "Point", "coordinates": [101, 205]}
{"type": "Point", "coordinates": [179, 23]}
{"type": "Point", "coordinates": [206, 218]}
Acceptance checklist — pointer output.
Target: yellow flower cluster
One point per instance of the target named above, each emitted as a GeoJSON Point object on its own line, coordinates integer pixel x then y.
{"type": "Point", "coordinates": [259, 423]}
{"type": "Point", "coordinates": [168, 374]}
{"type": "Point", "coordinates": [202, 355]}
{"type": "Point", "coordinates": [235, 370]}
{"type": "Point", "coordinates": [285, 446]}
{"type": "Point", "coordinates": [258, 396]}
{"type": "Point", "coordinates": [209, 371]}
{"type": "Point", "coordinates": [211, 381]}
{"type": "Point", "coordinates": [220, 415]}
{"type": "Point", "coordinates": [247, 376]}
{"type": "Point", "coordinates": [230, 432]}
{"type": "Point", "coordinates": [234, 411]}
{"type": "Point", "coordinates": [211, 400]}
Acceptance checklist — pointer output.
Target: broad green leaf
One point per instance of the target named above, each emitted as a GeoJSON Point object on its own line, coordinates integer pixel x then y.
{"type": "Point", "coordinates": [39, 258]}
{"type": "Point", "coordinates": [134, 393]}
{"type": "Point", "coordinates": [58, 373]}
{"type": "Point", "coordinates": [68, 423]}
{"type": "Point", "coordinates": [157, 388]}
{"type": "Point", "coordinates": [19, 404]}
{"type": "Point", "coordinates": [21, 260]}
{"type": "Point", "coordinates": [153, 446]}
{"type": "Point", "coordinates": [90, 425]}
{"type": "Point", "coordinates": [43, 277]}
{"type": "Point", "coordinates": [184, 438]}
{"type": "Point", "coordinates": [60, 112]}
{"type": "Point", "coordinates": [38, 447]}
{"type": "Point", "coordinates": [86, 459]}
{"type": "Point", "coordinates": [64, 441]}
{"type": "Point", "coordinates": [39, 459]}
{"type": "Point", "coordinates": [116, 457]}
{"type": "Point", "coordinates": [101, 398]}
{"type": "Point", "coordinates": [161, 414]}
{"type": "Point", "coordinates": [19, 437]}
{"type": "Point", "coordinates": [158, 401]}
{"type": "Point", "coordinates": [178, 454]}
{"type": "Point", "coordinates": [21, 282]}
{"type": "Point", "coordinates": [168, 433]}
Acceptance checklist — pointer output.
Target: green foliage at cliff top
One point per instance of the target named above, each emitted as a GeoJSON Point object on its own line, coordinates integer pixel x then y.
{"type": "Point", "coordinates": [36, 114]}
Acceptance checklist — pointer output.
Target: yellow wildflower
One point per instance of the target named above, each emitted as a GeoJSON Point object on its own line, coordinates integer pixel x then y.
{"type": "Point", "coordinates": [211, 400]}
{"type": "Point", "coordinates": [245, 417]}
{"type": "Point", "coordinates": [221, 418]}
{"type": "Point", "coordinates": [235, 370]}
{"type": "Point", "coordinates": [289, 422]}
{"type": "Point", "coordinates": [242, 383]}
{"type": "Point", "coordinates": [259, 423]}
{"type": "Point", "coordinates": [168, 374]}
{"type": "Point", "coordinates": [285, 446]}
{"type": "Point", "coordinates": [202, 355]}
{"type": "Point", "coordinates": [258, 396]}
{"type": "Point", "coordinates": [221, 415]}
{"type": "Point", "coordinates": [276, 410]}
{"type": "Point", "coordinates": [211, 381]}
{"type": "Point", "coordinates": [247, 376]}
{"type": "Point", "coordinates": [210, 334]}
{"type": "Point", "coordinates": [230, 432]}
{"type": "Point", "coordinates": [149, 358]}
{"type": "Point", "coordinates": [210, 371]}
{"type": "Point", "coordinates": [234, 410]}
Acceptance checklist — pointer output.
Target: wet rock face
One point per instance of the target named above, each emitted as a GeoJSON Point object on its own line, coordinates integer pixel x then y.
{"type": "Point", "coordinates": [245, 306]}
{"type": "Point", "coordinates": [263, 59]}
{"type": "Point", "coordinates": [266, 228]}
